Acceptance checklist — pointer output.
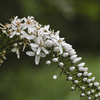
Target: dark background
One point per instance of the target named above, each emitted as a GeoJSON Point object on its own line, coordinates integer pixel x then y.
{"type": "Point", "coordinates": [78, 22]}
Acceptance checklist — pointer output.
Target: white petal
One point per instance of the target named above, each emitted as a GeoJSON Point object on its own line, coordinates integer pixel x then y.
{"type": "Point", "coordinates": [37, 59]}
{"type": "Point", "coordinates": [42, 55]}
{"type": "Point", "coordinates": [45, 50]}
{"type": "Point", "coordinates": [34, 45]}
{"type": "Point", "coordinates": [38, 51]}
{"type": "Point", "coordinates": [30, 53]}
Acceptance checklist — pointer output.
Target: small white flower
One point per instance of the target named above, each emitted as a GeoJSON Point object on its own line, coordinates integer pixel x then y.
{"type": "Point", "coordinates": [16, 49]}
{"type": "Point", "coordinates": [55, 77]}
{"type": "Point", "coordinates": [77, 60]}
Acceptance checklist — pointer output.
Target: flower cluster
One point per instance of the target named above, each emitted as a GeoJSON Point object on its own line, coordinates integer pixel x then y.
{"type": "Point", "coordinates": [43, 41]}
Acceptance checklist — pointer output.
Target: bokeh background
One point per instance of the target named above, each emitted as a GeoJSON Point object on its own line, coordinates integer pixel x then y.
{"type": "Point", "coordinates": [77, 20]}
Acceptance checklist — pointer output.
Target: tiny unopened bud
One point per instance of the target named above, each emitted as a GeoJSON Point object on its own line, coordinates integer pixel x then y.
{"type": "Point", "coordinates": [72, 88]}
{"type": "Point", "coordinates": [48, 62]}
{"type": "Point", "coordinates": [90, 84]}
{"type": "Point", "coordinates": [65, 54]}
{"type": "Point", "coordinates": [96, 95]}
{"type": "Point", "coordinates": [79, 74]}
{"type": "Point", "coordinates": [61, 64]}
{"type": "Point", "coordinates": [96, 84]}
{"type": "Point", "coordinates": [72, 52]}
{"type": "Point", "coordinates": [92, 91]}
{"type": "Point", "coordinates": [84, 79]}
{"type": "Point", "coordinates": [81, 64]}
{"type": "Point", "coordinates": [89, 74]}
{"type": "Point", "coordinates": [89, 98]}
{"type": "Point", "coordinates": [56, 49]}
{"type": "Point", "coordinates": [82, 88]}
{"type": "Point", "coordinates": [82, 94]}
{"type": "Point", "coordinates": [88, 93]}
{"type": "Point", "coordinates": [55, 77]}
{"type": "Point", "coordinates": [73, 57]}
{"type": "Point", "coordinates": [85, 73]}
{"type": "Point", "coordinates": [98, 88]}
{"type": "Point", "coordinates": [76, 82]}
{"type": "Point", "coordinates": [89, 80]}
{"type": "Point", "coordinates": [99, 94]}
{"type": "Point", "coordinates": [92, 79]}
{"type": "Point", "coordinates": [69, 78]}
{"type": "Point", "coordinates": [76, 60]}
{"type": "Point", "coordinates": [71, 68]}
{"type": "Point", "coordinates": [55, 59]}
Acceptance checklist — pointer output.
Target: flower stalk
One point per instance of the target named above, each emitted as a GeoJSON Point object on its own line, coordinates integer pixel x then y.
{"type": "Point", "coordinates": [26, 32]}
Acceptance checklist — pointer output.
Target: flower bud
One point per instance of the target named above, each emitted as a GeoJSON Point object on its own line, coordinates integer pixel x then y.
{"type": "Point", "coordinates": [71, 68]}
{"type": "Point", "coordinates": [55, 77]}
{"type": "Point", "coordinates": [96, 84]}
{"type": "Point", "coordinates": [82, 88]}
{"type": "Point", "coordinates": [84, 79]}
{"type": "Point", "coordinates": [76, 82]}
{"type": "Point", "coordinates": [61, 64]}
{"type": "Point", "coordinates": [76, 60]}
{"type": "Point", "coordinates": [82, 94]}
{"type": "Point", "coordinates": [65, 54]}
{"type": "Point", "coordinates": [69, 78]}
{"type": "Point", "coordinates": [73, 57]}
{"type": "Point", "coordinates": [55, 59]}
{"type": "Point", "coordinates": [92, 91]}
{"type": "Point", "coordinates": [72, 88]}
{"type": "Point", "coordinates": [88, 93]}
{"type": "Point", "coordinates": [79, 74]}
{"type": "Point", "coordinates": [81, 64]}
{"type": "Point", "coordinates": [89, 98]}
{"type": "Point", "coordinates": [92, 79]}
{"type": "Point", "coordinates": [90, 84]}
{"type": "Point", "coordinates": [89, 74]}
{"type": "Point", "coordinates": [48, 62]}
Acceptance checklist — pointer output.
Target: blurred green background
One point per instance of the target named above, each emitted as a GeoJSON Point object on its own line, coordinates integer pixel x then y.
{"type": "Point", "coordinates": [77, 20]}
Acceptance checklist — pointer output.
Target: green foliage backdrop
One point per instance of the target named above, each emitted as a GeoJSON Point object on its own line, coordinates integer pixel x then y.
{"type": "Point", "coordinates": [79, 23]}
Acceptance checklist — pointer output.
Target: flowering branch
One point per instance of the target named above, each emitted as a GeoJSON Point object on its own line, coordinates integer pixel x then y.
{"type": "Point", "coordinates": [43, 42]}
